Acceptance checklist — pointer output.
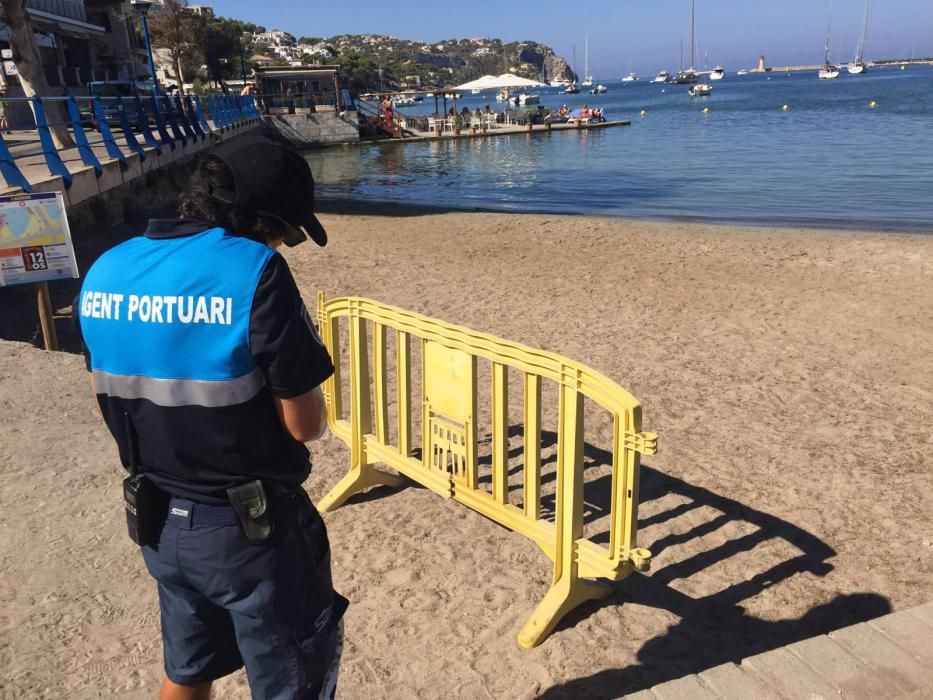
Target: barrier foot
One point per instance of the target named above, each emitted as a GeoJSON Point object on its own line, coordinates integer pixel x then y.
{"type": "Point", "coordinates": [355, 481]}
{"type": "Point", "coordinates": [563, 597]}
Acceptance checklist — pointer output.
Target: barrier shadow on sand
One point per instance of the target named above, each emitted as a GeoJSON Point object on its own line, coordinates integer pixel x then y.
{"type": "Point", "coordinates": [714, 628]}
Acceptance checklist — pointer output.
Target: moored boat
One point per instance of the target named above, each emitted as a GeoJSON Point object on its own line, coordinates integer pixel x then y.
{"type": "Point", "coordinates": [598, 90]}
{"type": "Point", "coordinates": [718, 73]}
{"type": "Point", "coordinates": [630, 78]}
{"type": "Point", "coordinates": [858, 66]}
{"type": "Point", "coordinates": [829, 71]}
{"type": "Point", "coordinates": [700, 90]}
{"type": "Point", "coordinates": [662, 77]}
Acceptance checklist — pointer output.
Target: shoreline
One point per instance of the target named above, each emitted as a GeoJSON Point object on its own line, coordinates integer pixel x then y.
{"type": "Point", "coordinates": [350, 206]}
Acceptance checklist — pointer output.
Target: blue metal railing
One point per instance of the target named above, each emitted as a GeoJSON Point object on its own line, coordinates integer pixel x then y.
{"type": "Point", "coordinates": [121, 127]}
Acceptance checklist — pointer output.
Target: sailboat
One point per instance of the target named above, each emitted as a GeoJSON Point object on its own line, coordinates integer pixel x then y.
{"type": "Point", "coordinates": [573, 88]}
{"type": "Point", "coordinates": [829, 71]}
{"type": "Point", "coordinates": [858, 66]}
{"type": "Point", "coordinates": [690, 75]}
{"type": "Point", "coordinates": [587, 78]}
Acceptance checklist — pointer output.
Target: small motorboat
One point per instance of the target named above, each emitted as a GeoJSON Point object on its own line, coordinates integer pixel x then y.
{"type": "Point", "coordinates": [598, 90]}
{"type": "Point", "coordinates": [700, 90]}
{"type": "Point", "coordinates": [526, 99]}
{"type": "Point", "coordinates": [718, 73]}
{"type": "Point", "coordinates": [662, 77]}
{"type": "Point", "coordinates": [572, 89]}
{"type": "Point", "coordinates": [630, 78]}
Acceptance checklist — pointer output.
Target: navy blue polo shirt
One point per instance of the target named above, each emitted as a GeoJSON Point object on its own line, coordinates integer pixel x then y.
{"type": "Point", "coordinates": [192, 331]}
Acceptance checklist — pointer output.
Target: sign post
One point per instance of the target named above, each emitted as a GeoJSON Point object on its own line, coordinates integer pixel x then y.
{"type": "Point", "coordinates": [36, 247]}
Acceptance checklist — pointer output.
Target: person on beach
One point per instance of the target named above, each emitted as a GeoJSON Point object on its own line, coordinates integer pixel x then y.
{"type": "Point", "coordinates": [207, 370]}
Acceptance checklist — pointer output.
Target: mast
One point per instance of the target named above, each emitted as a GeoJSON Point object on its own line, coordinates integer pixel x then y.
{"type": "Point", "coordinates": [693, 34]}
{"type": "Point", "coordinates": [586, 57]}
{"type": "Point", "coordinates": [829, 31]}
{"type": "Point", "coordinates": [863, 45]}
{"type": "Point", "coordinates": [681, 55]}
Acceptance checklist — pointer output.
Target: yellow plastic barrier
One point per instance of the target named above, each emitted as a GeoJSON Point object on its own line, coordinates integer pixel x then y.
{"type": "Point", "coordinates": [448, 463]}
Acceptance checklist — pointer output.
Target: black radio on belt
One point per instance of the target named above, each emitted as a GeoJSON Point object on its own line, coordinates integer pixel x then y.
{"type": "Point", "coordinates": [140, 497]}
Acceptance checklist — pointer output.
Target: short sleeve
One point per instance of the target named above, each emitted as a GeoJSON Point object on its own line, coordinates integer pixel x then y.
{"type": "Point", "coordinates": [283, 340]}
{"type": "Point", "coordinates": [76, 328]}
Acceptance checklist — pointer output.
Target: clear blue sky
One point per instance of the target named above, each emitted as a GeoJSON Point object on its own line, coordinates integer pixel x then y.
{"type": "Point", "coordinates": [640, 35]}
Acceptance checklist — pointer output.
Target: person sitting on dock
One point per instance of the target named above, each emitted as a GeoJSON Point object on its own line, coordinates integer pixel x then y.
{"type": "Point", "coordinates": [598, 114]}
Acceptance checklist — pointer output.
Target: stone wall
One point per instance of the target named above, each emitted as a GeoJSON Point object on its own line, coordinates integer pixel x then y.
{"type": "Point", "coordinates": [319, 129]}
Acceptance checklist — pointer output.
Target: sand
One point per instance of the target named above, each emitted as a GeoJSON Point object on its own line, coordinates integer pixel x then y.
{"type": "Point", "coordinates": [788, 374]}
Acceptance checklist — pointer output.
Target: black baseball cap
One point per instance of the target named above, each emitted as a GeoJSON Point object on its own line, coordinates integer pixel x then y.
{"type": "Point", "coordinates": [274, 181]}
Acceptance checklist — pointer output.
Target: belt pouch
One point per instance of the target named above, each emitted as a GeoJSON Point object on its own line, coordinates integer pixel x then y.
{"type": "Point", "coordinates": [251, 506]}
{"type": "Point", "coordinates": [141, 500]}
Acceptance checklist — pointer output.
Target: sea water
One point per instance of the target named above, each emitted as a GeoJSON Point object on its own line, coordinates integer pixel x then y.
{"type": "Point", "coordinates": [830, 159]}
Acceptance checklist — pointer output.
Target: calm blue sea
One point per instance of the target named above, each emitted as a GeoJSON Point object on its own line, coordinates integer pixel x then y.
{"type": "Point", "coordinates": [830, 160]}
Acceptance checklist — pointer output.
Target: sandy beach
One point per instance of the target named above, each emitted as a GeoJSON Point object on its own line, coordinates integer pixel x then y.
{"type": "Point", "coordinates": [788, 374]}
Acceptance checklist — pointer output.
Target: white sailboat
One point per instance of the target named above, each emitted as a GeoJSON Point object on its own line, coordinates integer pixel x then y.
{"type": "Point", "coordinates": [829, 71]}
{"type": "Point", "coordinates": [858, 66]}
{"type": "Point", "coordinates": [587, 78]}
{"type": "Point", "coordinates": [690, 75]}
{"type": "Point", "coordinates": [573, 88]}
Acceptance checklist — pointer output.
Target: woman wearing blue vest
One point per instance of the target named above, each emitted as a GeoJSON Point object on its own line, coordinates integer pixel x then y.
{"type": "Point", "coordinates": [207, 369]}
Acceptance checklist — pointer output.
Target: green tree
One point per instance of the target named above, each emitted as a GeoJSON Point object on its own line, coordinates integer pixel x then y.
{"type": "Point", "coordinates": [173, 28]}
{"type": "Point", "coordinates": [29, 66]}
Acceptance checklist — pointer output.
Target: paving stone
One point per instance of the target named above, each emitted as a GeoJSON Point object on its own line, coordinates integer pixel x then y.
{"type": "Point", "coordinates": [896, 666]}
{"type": "Point", "coordinates": [789, 676]}
{"type": "Point", "coordinates": [907, 632]}
{"type": "Point", "coordinates": [731, 681]}
{"type": "Point", "coordinates": [854, 677]}
{"type": "Point", "coordinates": [686, 688]}
{"type": "Point", "coordinates": [641, 695]}
{"type": "Point", "coordinates": [923, 612]}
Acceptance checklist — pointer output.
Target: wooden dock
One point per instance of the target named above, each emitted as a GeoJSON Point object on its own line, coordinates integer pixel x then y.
{"type": "Point", "coordinates": [500, 130]}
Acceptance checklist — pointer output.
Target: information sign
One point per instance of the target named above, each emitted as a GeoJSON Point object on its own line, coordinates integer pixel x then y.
{"type": "Point", "coordinates": [35, 242]}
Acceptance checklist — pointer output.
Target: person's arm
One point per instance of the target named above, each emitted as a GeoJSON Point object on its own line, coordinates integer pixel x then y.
{"type": "Point", "coordinates": [287, 348]}
{"type": "Point", "coordinates": [304, 417]}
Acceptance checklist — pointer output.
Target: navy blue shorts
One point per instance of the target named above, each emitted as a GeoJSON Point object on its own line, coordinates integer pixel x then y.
{"type": "Point", "coordinates": [226, 603]}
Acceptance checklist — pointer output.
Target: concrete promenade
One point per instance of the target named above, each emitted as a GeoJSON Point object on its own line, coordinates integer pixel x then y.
{"type": "Point", "coordinates": [86, 183]}
{"type": "Point", "coordinates": [888, 658]}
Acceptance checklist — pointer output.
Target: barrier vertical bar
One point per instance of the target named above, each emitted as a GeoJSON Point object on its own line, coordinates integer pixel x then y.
{"type": "Point", "coordinates": [173, 121]}
{"type": "Point", "coordinates": [52, 159]}
{"type": "Point", "coordinates": [379, 382]}
{"type": "Point", "coordinates": [193, 117]}
{"type": "Point", "coordinates": [106, 135]}
{"type": "Point", "coordinates": [11, 173]}
{"type": "Point", "coordinates": [160, 125]}
{"type": "Point", "coordinates": [84, 148]}
{"type": "Point", "coordinates": [128, 134]}
{"type": "Point", "coordinates": [362, 473]}
{"type": "Point", "coordinates": [532, 440]}
{"type": "Point", "coordinates": [144, 129]}
{"type": "Point", "coordinates": [216, 113]}
{"type": "Point", "coordinates": [500, 433]}
{"type": "Point", "coordinates": [403, 374]}
{"type": "Point", "coordinates": [183, 118]}
{"type": "Point", "coordinates": [628, 498]}
{"type": "Point", "coordinates": [568, 589]}
{"type": "Point", "coordinates": [199, 111]}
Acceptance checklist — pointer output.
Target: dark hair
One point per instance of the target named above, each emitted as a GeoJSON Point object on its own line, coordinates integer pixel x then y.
{"type": "Point", "coordinates": [196, 202]}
